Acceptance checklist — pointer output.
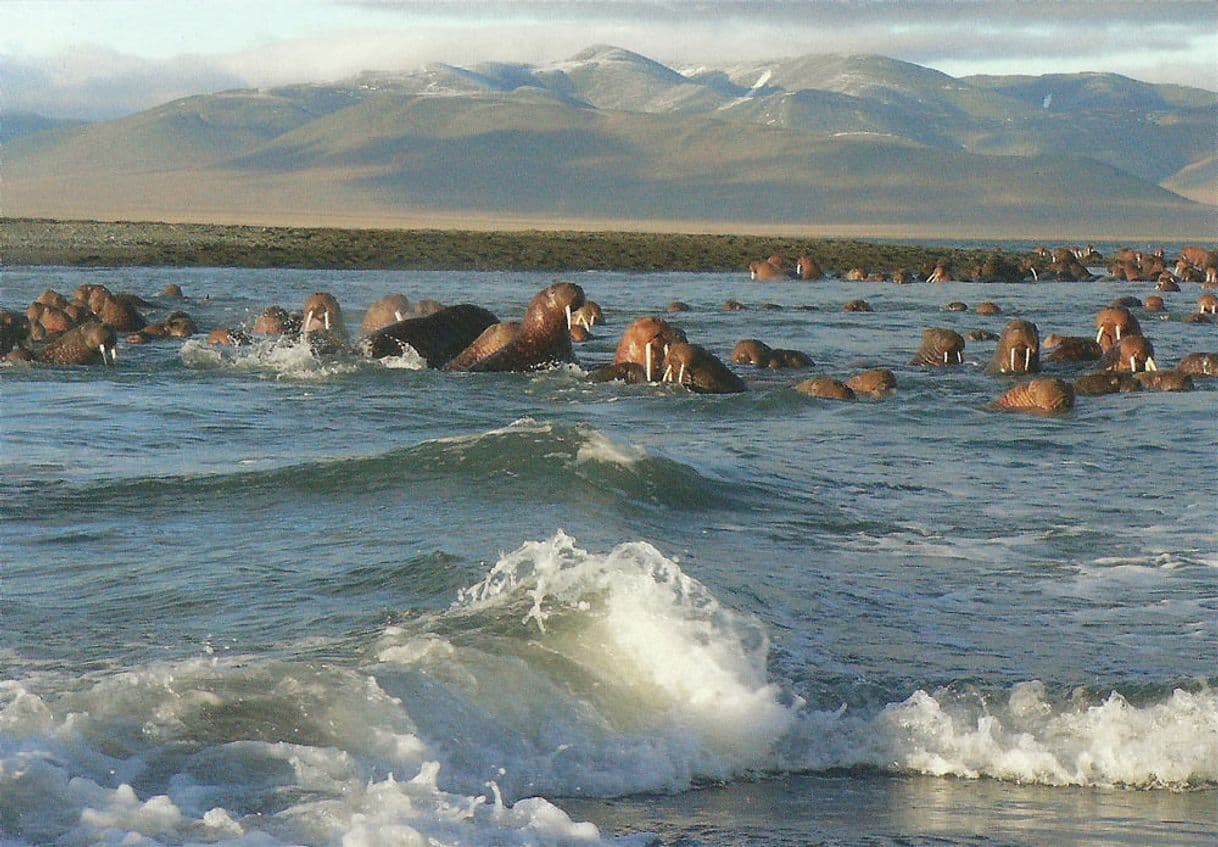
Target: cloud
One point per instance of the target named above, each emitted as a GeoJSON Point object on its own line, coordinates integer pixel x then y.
{"type": "Point", "coordinates": [1163, 42]}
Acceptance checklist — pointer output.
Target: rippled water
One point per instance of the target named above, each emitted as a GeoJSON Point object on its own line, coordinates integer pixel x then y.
{"type": "Point", "coordinates": [254, 597]}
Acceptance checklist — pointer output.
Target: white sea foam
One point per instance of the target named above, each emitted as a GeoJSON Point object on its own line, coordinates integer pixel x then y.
{"type": "Point", "coordinates": [597, 447]}
{"type": "Point", "coordinates": [283, 358]}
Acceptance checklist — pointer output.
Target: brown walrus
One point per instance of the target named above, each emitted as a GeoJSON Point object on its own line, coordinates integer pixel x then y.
{"type": "Point", "coordinates": [1018, 349]}
{"type": "Point", "coordinates": [322, 313]}
{"type": "Point", "coordinates": [1154, 303]}
{"type": "Point", "coordinates": [1165, 380]}
{"type": "Point", "coordinates": [988, 308]}
{"type": "Point", "coordinates": [587, 315]}
{"type": "Point", "coordinates": [544, 338]}
{"type": "Point", "coordinates": [825, 387]}
{"type": "Point", "coordinates": [1199, 364]}
{"type": "Point", "coordinates": [88, 344]}
{"type": "Point", "coordinates": [857, 306]}
{"type": "Point", "coordinates": [764, 270]}
{"type": "Point", "coordinates": [1072, 348]}
{"type": "Point", "coordinates": [877, 382]}
{"type": "Point", "coordinates": [387, 310]}
{"type": "Point", "coordinates": [490, 340]}
{"type": "Point", "coordinates": [751, 351]}
{"type": "Point", "coordinates": [700, 371]}
{"type": "Point", "coordinates": [437, 337]}
{"type": "Point", "coordinates": [1044, 396]}
{"type": "Point", "coordinates": [118, 313]}
{"type": "Point", "coordinates": [14, 330]}
{"type": "Point", "coordinates": [1106, 382]}
{"type": "Point", "coordinates": [1132, 353]}
{"type": "Point", "coordinates": [940, 347]}
{"type": "Point", "coordinates": [223, 336]}
{"type": "Point", "coordinates": [1207, 304]}
{"type": "Point", "coordinates": [276, 320]}
{"type": "Point", "coordinates": [640, 352]}
{"type": "Point", "coordinates": [808, 268]}
{"type": "Point", "coordinates": [1113, 323]}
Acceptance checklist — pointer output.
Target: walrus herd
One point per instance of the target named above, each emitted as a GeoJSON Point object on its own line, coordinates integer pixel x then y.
{"type": "Point", "coordinates": [85, 329]}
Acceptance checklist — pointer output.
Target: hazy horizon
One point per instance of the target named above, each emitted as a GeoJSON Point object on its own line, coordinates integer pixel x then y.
{"type": "Point", "coordinates": [85, 60]}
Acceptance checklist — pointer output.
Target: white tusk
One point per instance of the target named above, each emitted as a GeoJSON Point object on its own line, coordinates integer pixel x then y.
{"type": "Point", "coordinates": [1118, 332]}
{"type": "Point", "coordinates": [945, 357]}
{"type": "Point", "coordinates": [102, 349]}
{"type": "Point", "coordinates": [1150, 364]}
{"type": "Point", "coordinates": [568, 310]}
{"type": "Point", "coordinates": [667, 377]}
{"type": "Point", "coordinates": [1012, 360]}
{"type": "Point", "coordinates": [1133, 364]}
{"type": "Point", "coordinates": [647, 359]}
{"type": "Point", "coordinates": [959, 358]}
{"type": "Point", "coordinates": [397, 315]}
{"type": "Point", "coordinates": [326, 315]}
{"type": "Point", "coordinates": [681, 374]}
{"type": "Point", "coordinates": [308, 319]}
{"type": "Point", "coordinates": [1099, 336]}
{"type": "Point", "coordinates": [1027, 359]}
{"type": "Point", "coordinates": [591, 321]}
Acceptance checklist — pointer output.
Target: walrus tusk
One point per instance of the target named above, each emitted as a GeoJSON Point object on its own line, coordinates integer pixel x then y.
{"type": "Point", "coordinates": [1133, 364]}
{"type": "Point", "coordinates": [1150, 364]}
{"type": "Point", "coordinates": [681, 374]}
{"type": "Point", "coordinates": [102, 348]}
{"type": "Point", "coordinates": [308, 319]}
{"type": "Point", "coordinates": [1012, 360]}
{"type": "Point", "coordinates": [647, 359]}
{"type": "Point", "coordinates": [1099, 336]}
{"type": "Point", "coordinates": [1027, 359]}
{"type": "Point", "coordinates": [1118, 332]}
{"type": "Point", "coordinates": [568, 311]}
{"type": "Point", "coordinates": [667, 377]}
{"type": "Point", "coordinates": [945, 357]}
{"type": "Point", "coordinates": [326, 316]}
{"type": "Point", "coordinates": [959, 358]}
{"type": "Point", "coordinates": [397, 315]}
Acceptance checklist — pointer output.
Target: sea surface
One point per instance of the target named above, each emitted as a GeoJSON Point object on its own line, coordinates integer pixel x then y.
{"type": "Point", "coordinates": [253, 597]}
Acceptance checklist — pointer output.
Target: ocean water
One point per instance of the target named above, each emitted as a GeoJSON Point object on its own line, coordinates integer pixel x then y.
{"type": "Point", "coordinates": [253, 597]}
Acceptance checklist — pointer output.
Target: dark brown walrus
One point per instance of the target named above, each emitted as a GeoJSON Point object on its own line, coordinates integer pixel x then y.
{"type": "Point", "coordinates": [437, 337]}
{"type": "Point", "coordinates": [1132, 353]}
{"type": "Point", "coordinates": [87, 344]}
{"type": "Point", "coordinates": [1018, 349]}
{"type": "Point", "coordinates": [492, 339]}
{"type": "Point", "coordinates": [1073, 348]}
{"type": "Point", "coordinates": [700, 371]}
{"type": "Point", "coordinates": [940, 347]}
{"type": "Point", "coordinates": [1045, 396]}
{"type": "Point", "coordinates": [1106, 382]}
{"type": "Point", "coordinates": [640, 352]}
{"type": "Point", "coordinates": [544, 338]}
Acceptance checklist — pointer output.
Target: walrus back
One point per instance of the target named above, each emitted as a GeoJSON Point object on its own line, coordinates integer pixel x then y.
{"type": "Point", "coordinates": [436, 337]}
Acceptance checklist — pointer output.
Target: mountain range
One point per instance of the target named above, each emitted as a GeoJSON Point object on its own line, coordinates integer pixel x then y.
{"type": "Point", "coordinates": [851, 144]}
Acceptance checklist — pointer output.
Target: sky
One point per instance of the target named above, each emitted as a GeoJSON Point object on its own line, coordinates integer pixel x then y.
{"type": "Point", "coordinates": [97, 59]}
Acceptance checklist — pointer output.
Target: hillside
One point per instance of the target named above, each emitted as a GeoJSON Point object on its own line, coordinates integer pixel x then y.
{"type": "Point", "coordinates": [847, 142]}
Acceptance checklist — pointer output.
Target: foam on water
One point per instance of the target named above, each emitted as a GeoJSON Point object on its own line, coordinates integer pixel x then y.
{"type": "Point", "coordinates": [283, 358]}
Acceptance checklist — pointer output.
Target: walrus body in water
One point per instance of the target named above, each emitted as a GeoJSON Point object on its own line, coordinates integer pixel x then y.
{"type": "Point", "coordinates": [544, 337]}
{"type": "Point", "coordinates": [438, 337]}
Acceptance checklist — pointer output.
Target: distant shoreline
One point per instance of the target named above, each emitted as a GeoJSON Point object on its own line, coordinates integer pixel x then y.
{"type": "Point", "coordinates": [40, 241]}
{"type": "Point", "coordinates": [36, 241]}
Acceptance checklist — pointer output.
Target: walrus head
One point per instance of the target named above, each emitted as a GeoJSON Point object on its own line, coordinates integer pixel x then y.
{"type": "Point", "coordinates": [1113, 323]}
{"type": "Point", "coordinates": [646, 342]}
{"type": "Point", "coordinates": [387, 310]}
{"type": "Point", "coordinates": [1018, 349]}
{"type": "Point", "coordinates": [941, 347]}
{"type": "Point", "coordinates": [1132, 353]}
{"type": "Point", "coordinates": [699, 370]}
{"type": "Point", "coordinates": [321, 311]}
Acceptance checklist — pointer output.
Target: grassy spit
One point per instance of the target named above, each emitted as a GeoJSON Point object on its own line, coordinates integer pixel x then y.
{"type": "Point", "coordinates": [29, 241]}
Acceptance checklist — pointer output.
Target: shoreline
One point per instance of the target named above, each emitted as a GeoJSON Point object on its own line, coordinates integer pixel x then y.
{"type": "Point", "coordinates": [44, 241]}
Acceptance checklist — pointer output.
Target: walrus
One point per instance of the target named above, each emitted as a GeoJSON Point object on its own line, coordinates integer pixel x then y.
{"type": "Point", "coordinates": [733, 306]}
{"type": "Point", "coordinates": [544, 338]}
{"type": "Point", "coordinates": [322, 312]}
{"type": "Point", "coordinates": [825, 387]}
{"type": "Point", "coordinates": [1167, 282]}
{"type": "Point", "coordinates": [172, 290]}
{"type": "Point", "coordinates": [387, 310]}
{"type": "Point", "coordinates": [980, 335]}
{"type": "Point", "coordinates": [700, 371]}
{"type": "Point", "coordinates": [223, 336]}
{"type": "Point", "coordinates": [1207, 304]}
{"type": "Point", "coordinates": [437, 337]}
{"type": "Point", "coordinates": [877, 382]}
{"type": "Point", "coordinates": [763, 271]}
{"type": "Point", "coordinates": [14, 330]}
{"type": "Point", "coordinates": [940, 347]}
{"type": "Point", "coordinates": [177, 325]}
{"type": "Point", "coordinates": [1045, 396]}
{"type": "Point", "coordinates": [677, 306]}
{"type": "Point", "coordinates": [751, 351]}
{"type": "Point", "coordinates": [587, 315]}
{"type": "Point", "coordinates": [1132, 353]}
{"type": "Point", "coordinates": [118, 313]}
{"type": "Point", "coordinates": [781, 357]}
{"type": "Point", "coordinates": [1172, 380]}
{"type": "Point", "coordinates": [1199, 364]}
{"type": "Point", "coordinates": [956, 306]}
{"type": "Point", "coordinates": [644, 343]}
{"type": "Point", "coordinates": [988, 308]}
{"type": "Point", "coordinates": [1106, 382]}
{"type": "Point", "coordinates": [807, 268]}
{"type": "Point", "coordinates": [1154, 303]}
{"type": "Point", "coordinates": [1018, 349]}
{"type": "Point", "coordinates": [1113, 323]}
{"type": "Point", "coordinates": [490, 340]}
{"type": "Point", "coordinates": [87, 344]}
{"type": "Point", "coordinates": [857, 306]}
{"type": "Point", "coordinates": [1072, 348]}
{"type": "Point", "coordinates": [276, 320]}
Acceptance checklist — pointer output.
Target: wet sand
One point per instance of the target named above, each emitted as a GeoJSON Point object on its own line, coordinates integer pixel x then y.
{"type": "Point", "coordinates": [32, 241]}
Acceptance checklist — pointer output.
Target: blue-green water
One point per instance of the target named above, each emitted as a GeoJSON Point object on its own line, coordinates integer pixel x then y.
{"type": "Point", "coordinates": [249, 596]}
